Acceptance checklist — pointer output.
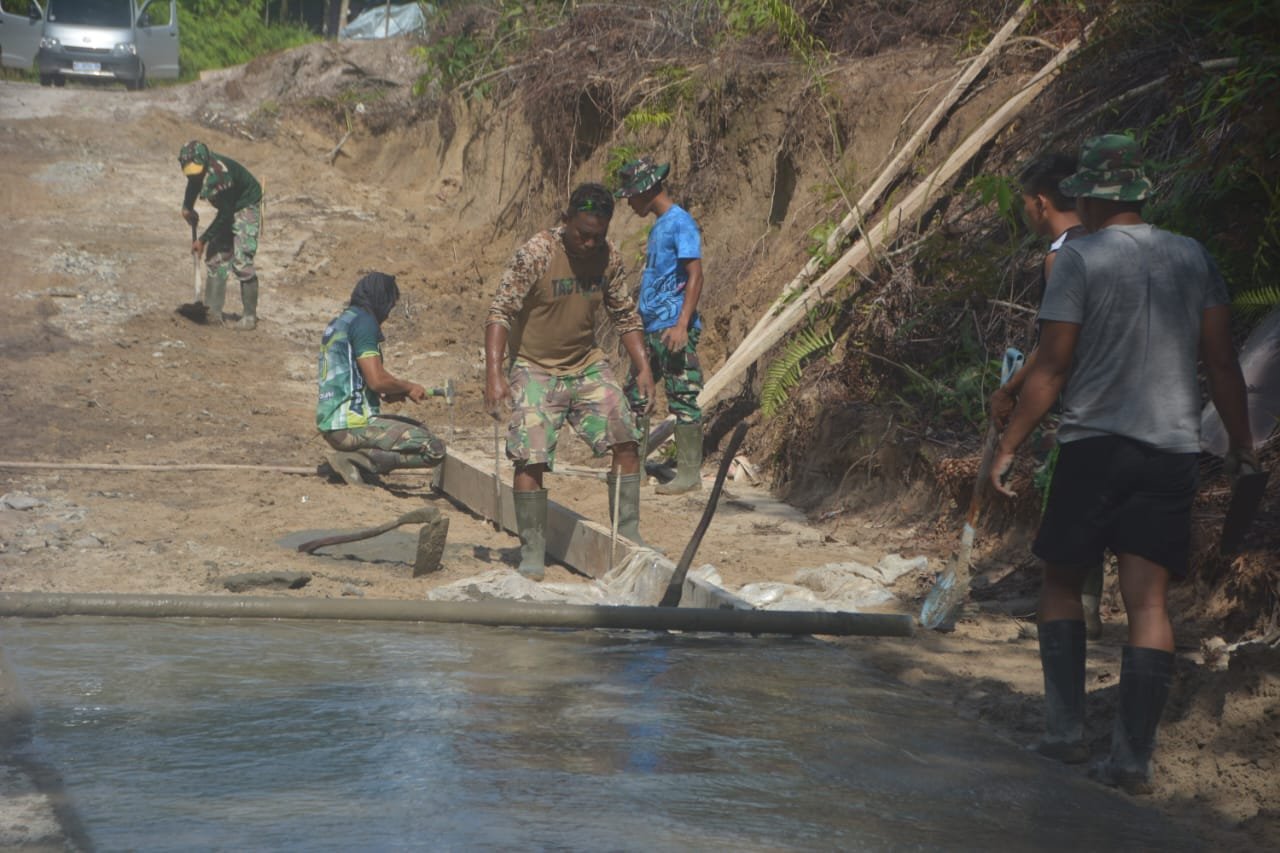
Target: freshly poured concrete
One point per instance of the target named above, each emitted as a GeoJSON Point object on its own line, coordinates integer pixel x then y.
{"type": "Point", "coordinates": [326, 736]}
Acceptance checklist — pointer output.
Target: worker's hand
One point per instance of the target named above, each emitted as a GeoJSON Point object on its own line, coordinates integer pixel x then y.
{"type": "Point", "coordinates": [497, 396]}
{"type": "Point", "coordinates": [197, 248]}
{"type": "Point", "coordinates": [416, 392]}
{"type": "Point", "coordinates": [1001, 470]}
{"type": "Point", "coordinates": [1240, 461]}
{"type": "Point", "coordinates": [675, 338]}
{"type": "Point", "coordinates": [192, 218]}
{"type": "Point", "coordinates": [1002, 405]}
{"type": "Point", "coordinates": [646, 390]}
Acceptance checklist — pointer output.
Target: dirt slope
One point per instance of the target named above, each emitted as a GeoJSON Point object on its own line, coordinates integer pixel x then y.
{"type": "Point", "coordinates": [98, 368]}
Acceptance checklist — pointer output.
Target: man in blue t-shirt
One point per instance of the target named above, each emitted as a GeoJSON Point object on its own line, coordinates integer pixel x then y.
{"type": "Point", "coordinates": [668, 304]}
{"type": "Point", "coordinates": [353, 383]}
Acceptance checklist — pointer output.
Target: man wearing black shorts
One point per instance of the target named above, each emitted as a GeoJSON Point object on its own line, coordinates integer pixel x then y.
{"type": "Point", "coordinates": [1126, 312]}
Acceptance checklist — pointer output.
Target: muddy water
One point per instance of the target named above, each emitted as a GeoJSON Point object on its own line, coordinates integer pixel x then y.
{"type": "Point", "coordinates": [199, 735]}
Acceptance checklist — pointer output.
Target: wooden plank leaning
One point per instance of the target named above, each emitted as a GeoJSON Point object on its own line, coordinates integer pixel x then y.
{"type": "Point", "coordinates": [887, 229]}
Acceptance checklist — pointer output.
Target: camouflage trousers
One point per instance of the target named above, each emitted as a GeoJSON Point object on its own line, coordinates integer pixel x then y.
{"type": "Point", "coordinates": [231, 251]}
{"type": "Point", "coordinates": [413, 441]}
{"type": "Point", "coordinates": [591, 402]}
{"type": "Point", "coordinates": [680, 373]}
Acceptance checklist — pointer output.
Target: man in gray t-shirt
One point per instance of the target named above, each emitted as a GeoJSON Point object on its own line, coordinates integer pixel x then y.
{"type": "Point", "coordinates": [1138, 294]}
{"type": "Point", "coordinates": [1126, 314]}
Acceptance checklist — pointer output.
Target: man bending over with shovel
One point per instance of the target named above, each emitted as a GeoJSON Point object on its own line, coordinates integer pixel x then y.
{"type": "Point", "coordinates": [353, 382]}
{"type": "Point", "coordinates": [231, 240]}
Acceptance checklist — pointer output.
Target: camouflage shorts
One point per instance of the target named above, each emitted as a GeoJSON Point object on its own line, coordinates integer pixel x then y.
{"type": "Point", "coordinates": [407, 437]}
{"type": "Point", "coordinates": [591, 401]}
{"type": "Point", "coordinates": [232, 251]}
{"type": "Point", "coordinates": [680, 374]}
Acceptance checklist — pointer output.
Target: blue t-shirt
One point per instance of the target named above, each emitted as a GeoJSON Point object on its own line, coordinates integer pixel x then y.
{"type": "Point", "coordinates": [673, 238]}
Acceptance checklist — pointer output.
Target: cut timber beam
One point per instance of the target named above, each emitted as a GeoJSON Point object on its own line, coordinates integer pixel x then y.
{"type": "Point", "coordinates": [572, 539]}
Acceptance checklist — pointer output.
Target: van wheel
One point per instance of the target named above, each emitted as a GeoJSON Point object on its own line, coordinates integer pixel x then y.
{"type": "Point", "coordinates": [137, 85]}
{"type": "Point", "coordinates": [59, 80]}
{"type": "Point", "coordinates": [46, 79]}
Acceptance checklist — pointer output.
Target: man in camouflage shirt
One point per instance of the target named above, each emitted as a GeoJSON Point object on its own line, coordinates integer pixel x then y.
{"type": "Point", "coordinates": [542, 357]}
{"type": "Point", "coordinates": [232, 237]}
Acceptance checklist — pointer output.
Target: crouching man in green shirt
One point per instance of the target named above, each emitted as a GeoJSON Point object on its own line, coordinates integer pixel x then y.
{"type": "Point", "coordinates": [353, 382]}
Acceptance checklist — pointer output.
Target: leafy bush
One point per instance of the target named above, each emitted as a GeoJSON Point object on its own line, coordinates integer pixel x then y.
{"type": "Point", "coordinates": [217, 34]}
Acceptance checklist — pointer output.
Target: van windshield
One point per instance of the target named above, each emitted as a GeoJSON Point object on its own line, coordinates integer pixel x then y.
{"type": "Point", "coordinates": [93, 13]}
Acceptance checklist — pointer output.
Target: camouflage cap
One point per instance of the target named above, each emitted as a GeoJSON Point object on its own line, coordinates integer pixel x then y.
{"type": "Point", "coordinates": [1110, 168]}
{"type": "Point", "coordinates": [193, 158]}
{"type": "Point", "coordinates": [636, 176]}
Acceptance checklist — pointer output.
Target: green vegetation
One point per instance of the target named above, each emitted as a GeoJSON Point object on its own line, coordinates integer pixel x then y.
{"type": "Point", "coordinates": [217, 34]}
{"type": "Point", "coordinates": [783, 373]}
{"type": "Point", "coordinates": [477, 41]}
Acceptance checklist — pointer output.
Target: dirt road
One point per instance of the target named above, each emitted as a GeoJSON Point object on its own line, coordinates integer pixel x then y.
{"type": "Point", "coordinates": [99, 368]}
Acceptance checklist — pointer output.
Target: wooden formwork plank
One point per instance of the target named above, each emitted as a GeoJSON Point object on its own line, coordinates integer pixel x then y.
{"type": "Point", "coordinates": [572, 538]}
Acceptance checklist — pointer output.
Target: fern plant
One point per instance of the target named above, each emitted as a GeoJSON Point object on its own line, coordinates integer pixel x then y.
{"type": "Point", "coordinates": [1257, 300]}
{"type": "Point", "coordinates": [784, 372]}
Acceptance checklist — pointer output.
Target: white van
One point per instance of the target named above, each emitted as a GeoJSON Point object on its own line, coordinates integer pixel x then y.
{"type": "Point", "coordinates": [125, 40]}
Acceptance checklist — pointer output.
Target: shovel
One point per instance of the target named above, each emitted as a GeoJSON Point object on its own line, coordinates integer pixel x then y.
{"type": "Point", "coordinates": [195, 271]}
{"type": "Point", "coordinates": [952, 586]}
{"type": "Point", "coordinates": [1246, 495]}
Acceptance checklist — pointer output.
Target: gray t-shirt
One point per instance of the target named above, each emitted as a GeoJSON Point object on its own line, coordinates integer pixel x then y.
{"type": "Point", "coordinates": [1138, 294]}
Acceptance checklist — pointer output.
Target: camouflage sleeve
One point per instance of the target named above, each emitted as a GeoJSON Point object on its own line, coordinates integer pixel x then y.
{"type": "Point", "coordinates": [617, 296]}
{"type": "Point", "coordinates": [526, 266]}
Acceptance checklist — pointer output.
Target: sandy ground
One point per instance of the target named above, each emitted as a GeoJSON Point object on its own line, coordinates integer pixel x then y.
{"type": "Point", "coordinates": [99, 369]}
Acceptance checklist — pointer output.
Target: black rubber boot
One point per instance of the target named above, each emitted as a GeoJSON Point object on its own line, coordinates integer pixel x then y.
{"type": "Point", "coordinates": [531, 522]}
{"type": "Point", "coordinates": [688, 461]}
{"type": "Point", "coordinates": [1062, 655]}
{"type": "Point", "coordinates": [1145, 676]}
{"type": "Point", "coordinates": [628, 508]}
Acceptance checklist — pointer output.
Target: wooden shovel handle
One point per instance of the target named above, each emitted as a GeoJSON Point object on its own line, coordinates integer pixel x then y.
{"type": "Point", "coordinates": [675, 587]}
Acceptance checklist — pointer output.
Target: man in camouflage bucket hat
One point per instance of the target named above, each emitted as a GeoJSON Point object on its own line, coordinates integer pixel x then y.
{"type": "Point", "coordinates": [670, 288]}
{"type": "Point", "coordinates": [638, 176]}
{"type": "Point", "coordinates": [1126, 312]}
{"type": "Point", "coordinates": [232, 237]}
{"type": "Point", "coordinates": [1110, 168]}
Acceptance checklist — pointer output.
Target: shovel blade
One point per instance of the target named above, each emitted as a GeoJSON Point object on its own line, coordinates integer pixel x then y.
{"type": "Point", "coordinates": [1246, 495]}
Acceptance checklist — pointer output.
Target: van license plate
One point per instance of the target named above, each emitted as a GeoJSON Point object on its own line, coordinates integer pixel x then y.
{"type": "Point", "coordinates": [86, 66]}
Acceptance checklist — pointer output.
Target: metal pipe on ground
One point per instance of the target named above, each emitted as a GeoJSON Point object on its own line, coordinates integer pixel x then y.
{"type": "Point", "coordinates": [510, 613]}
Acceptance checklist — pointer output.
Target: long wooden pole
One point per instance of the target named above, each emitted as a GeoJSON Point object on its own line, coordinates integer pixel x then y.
{"type": "Point", "coordinates": [854, 220]}
{"type": "Point", "coordinates": [910, 208]}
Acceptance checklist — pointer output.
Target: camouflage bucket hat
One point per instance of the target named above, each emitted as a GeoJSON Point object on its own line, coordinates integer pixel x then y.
{"type": "Point", "coordinates": [1110, 168]}
{"type": "Point", "coordinates": [639, 175]}
{"type": "Point", "coordinates": [193, 158]}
